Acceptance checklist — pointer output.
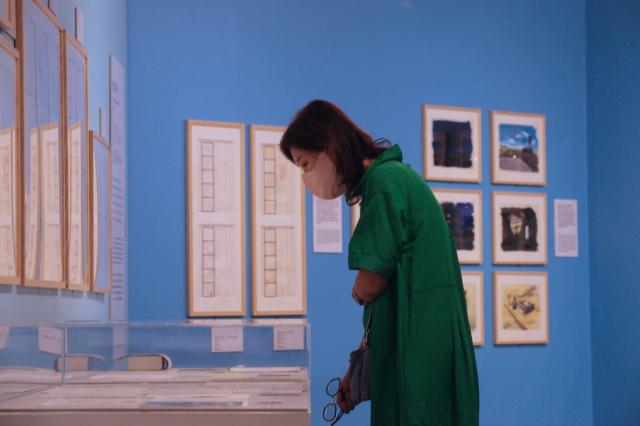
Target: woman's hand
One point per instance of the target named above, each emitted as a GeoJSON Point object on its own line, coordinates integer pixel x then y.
{"type": "Point", "coordinates": [344, 395]}
{"type": "Point", "coordinates": [355, 296]}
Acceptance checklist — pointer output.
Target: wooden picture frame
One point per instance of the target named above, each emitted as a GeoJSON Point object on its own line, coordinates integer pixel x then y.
{"type": "Point", "coordinates": [43, 162]}
{"type": "Point", "coordinates": [76, 137]}
{"type": "Point", "coordinates": [473, 283]}
{"type": "Point", "coordinates": [216, 217]}
{"type": "Point", "coordinates": [521, 308]}
{"type": "Point", "coordinates": [519, 228]}
{"type": "Point", "coordinates": [11, 188]}
{"type": "Point", "coordinates": [278, 227]}
{"type": "Point", "coordinates": [518, 148]}
{"type": "Point", "coordinates": [462, 210]}
{"type": "Point", "coordinates": [452, 143]}
{"type": "Point", "coordinates": [8, 18]}
{"type": "Point", "coordinates": [101, 216]}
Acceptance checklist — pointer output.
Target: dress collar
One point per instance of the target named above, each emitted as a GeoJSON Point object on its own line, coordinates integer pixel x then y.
{"type": "Point", "coordinates": [392, 153]}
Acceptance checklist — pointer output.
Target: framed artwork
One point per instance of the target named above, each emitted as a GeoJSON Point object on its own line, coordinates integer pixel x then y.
{"type": "Point", "coordinates": [77, 144]}
{"type": "Point", "coordinates": [452, 140]}
{"type": "Point", "coordinates": [518, 148]}
{"type": "Point", "coordinates": [10, 269]}
{"type": "Point", "coordinates": [279, 285]}
{"type": "Point", "coordinates": [463, 212]}
{"type": "Point", "coordinates": [520, 308]}
{"type": "Point", "coordinates": [215, 218]}
{"type": "Point", "coordinates": [519, 228]}
{"type": "Point", "coordinates": [355, 216]}
{"type": "Point", "coordinates": [40, 44]}
{"type": "Point", "coordinates": [101, 246]}
{"type": "Point", "coordinates": [8, 16]}
{"type": "Point", "coordinates": [473, 283]}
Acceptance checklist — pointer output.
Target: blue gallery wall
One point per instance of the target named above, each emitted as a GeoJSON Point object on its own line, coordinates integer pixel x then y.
{"type": "Point", "coordinates": [613, 68]}
{"type": "Point", "coordinates": [105, 34]}
{"type": "Point", "coordinates": [258, 62]}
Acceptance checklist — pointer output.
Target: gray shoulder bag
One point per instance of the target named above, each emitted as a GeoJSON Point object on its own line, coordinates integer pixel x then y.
{"type": "Point", "coordinates": [359, 371]}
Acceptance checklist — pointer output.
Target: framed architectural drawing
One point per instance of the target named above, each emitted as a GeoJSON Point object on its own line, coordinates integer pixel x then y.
{"type": "Point", "coordinates": [463, 212]}
{"type": "Point", "coordinates": [518, 148]}
{"type": "Point", "coordinates": [8, 16]}
{"type": "Point", "coordinates": [10, 269]}
{"type": "Point", "coordinates": [520, 308]}
{"type": "Point", "coordinates": [519, 228]}
{"type": "Point", "coordinates": [77, 143]}
{"type": "Point", "coordinates": [473, 283]}
{"type": "Point", "coordinates": [40, 44]}
{"type": "Point", "coordinates": [278, 225]}
{"type": "Point", "coordinates": [452, 140]}
{"type": "Point", "coordinates": [101, 247]}
{"type": "Point", "coordinates": [215, 218]}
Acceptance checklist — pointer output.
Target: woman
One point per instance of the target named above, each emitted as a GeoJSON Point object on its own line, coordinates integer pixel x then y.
{"type": "Point", "coordinates": [423, 369]}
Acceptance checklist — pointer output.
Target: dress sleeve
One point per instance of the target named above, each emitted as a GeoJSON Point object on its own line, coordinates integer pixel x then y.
{"type": "Point", "coordinates": [377, 239]}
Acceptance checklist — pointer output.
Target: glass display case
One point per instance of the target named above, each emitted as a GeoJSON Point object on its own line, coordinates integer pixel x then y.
{"type": "Point", "coordinates": [233, 371]}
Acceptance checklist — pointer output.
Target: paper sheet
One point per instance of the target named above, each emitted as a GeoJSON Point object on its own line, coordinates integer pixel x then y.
{"type": "Point", "coordinates": [327, 225]}
{"type": "Point", "coordinates": [566, 228]}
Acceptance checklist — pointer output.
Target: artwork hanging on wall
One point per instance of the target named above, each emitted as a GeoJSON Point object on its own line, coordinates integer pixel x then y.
{"type": "Point", "coordinates": [463, 212]}
{"type": "Point", "coordinates": [101, 247]}
{"type": "Point", "coordinates": [518, 148]}
{"type": "Point", "coordinates": [278, 224]}
{"type": "Point", "coordinates": [473, 284]}
{"type": "Point", "coordinates": [215, 218]}
{"type": "Point", "coordinates": [519, 228]}
{"type": "Point", "coordinates": [40, 44]}
{"type": "Point", "coordinates": [10, 270]}
{"type": "Point", "coordinates": [8, 16]}
{"type": "Point", "coordinates": [520, 308]}
{"type": "Point", "coordinates": [77, 144]}
{"type": "Point", "coordinates": [452, 144]}
{"type": "Point", "coordinates": [355, 216]}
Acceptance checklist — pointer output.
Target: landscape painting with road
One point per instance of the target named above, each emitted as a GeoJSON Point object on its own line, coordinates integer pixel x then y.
{"type": "Point", "coordinates": [518, 148]}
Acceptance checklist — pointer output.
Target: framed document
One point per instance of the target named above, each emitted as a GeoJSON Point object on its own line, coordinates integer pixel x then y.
{"type": "Point", "coordinates": [473, 284]}
{"type": "Point", "coordinates": [216, 265]}
{"type": "Point", "coordinates": [278, 228]}
{"type": "Point", "coordinates": [8, 16]}
{"type": "Point", "coordinates": [40, 44]}
{"type": "Point", "coordinates": [77, 142]}
{"type": "Point", "coordinates": [101, 276]}
{"type": "Point", "coordinates": [10, 270]}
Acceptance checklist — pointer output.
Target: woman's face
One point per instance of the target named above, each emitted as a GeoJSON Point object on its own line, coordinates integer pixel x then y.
{"type": "Point", "coordinates": [318, 173]}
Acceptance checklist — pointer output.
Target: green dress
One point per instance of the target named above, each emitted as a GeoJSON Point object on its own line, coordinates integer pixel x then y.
{"type": "Point", "coordinates": [423, 368]}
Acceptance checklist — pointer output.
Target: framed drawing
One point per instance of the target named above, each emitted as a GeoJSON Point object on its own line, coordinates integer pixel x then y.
{"type": "Point", "coordinates": [518, 148]}
{"type": "Point", "coordinates": [519, 228]}
{"type": "Point", "coordinates": [463, 212]}
{"type": "Point", "coordinates": [10, 269]}
{"type": "Point", "coordinates": [355, 216]}
{"type": "Point", "coordinates": [452, 140]}
{"type": "Point", "coordinates": [77, 143]}
{"type": "Point", "coordinates": [40, 44]}
{"type": "Point", "coordinates": [278, 224]}
{"type": "Point", "coordinates": [215, 218]}
{"type": "Point", "coordinates": [473, 283]}
{"type": "Point", "coordinates": [101, 247]}
{"type": "Point", "coordinates": [8, 16]}
{"type": "Point", "coordinates": [520, 308]}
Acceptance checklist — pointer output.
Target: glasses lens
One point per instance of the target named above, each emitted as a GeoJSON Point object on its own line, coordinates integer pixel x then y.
{"type": "Point", "coordinates": [333, 387]}
{"type": "Point", "coordinates": [329, 412]}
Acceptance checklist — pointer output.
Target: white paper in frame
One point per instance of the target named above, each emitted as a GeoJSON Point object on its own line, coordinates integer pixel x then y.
{"type": "Point", "coordinates": [355, 216]}
{"type": "Point", "coordinates": [102, 261]}
{"type": "Point", "coordinates": [463, 212]}
{"type": "Point", "coordinates": [473, 284]}
{"type": "Point", "coordinates": [278, 228]}
{"type": "Point", "coordinates": [216, 218]}
{"type": "Point", "coordinates": [452, 144]}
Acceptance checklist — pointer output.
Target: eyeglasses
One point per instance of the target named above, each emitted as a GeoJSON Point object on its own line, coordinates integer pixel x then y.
{"type": "Point", "coordinates": [332, 413]}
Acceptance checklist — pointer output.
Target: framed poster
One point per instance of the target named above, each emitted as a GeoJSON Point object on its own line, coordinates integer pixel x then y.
{"type": "Point", "coordinates": [473, 283]}
{"type": "Point", "coordinates": [279, 285]}
{"type": "Point", "coordinates": [10, 187]}
{"type": "Point", "coordinates": [518, 148]}
{"type": "Point", "coordinates": [519, 228]}
{"type": "Point", "coordinates": [101, 247]}
{"type": "Point", "coordinates": [77, 143]}
{"type": "Point", "coordinates": [463, 212]}
{"type": "Point", "coordinates": [40, 44]}
{"type": "Point", "coordinates": [8, 16]}
{"type": "Point", "coordinates": [520, 308]}
{"type": "Point", "coordinates": [452, 139]}
{"type": "Point", "coordinates": [215, 218]}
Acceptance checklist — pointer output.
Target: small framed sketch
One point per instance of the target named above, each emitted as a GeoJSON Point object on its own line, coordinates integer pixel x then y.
{"type": "Point", "coordinates": [463, 212]}
{"type": "Point", "coordinates": [279, 285]}
{"type": "Point", "coordinates": [519, 228]}
{"type": "Point", "coordinates": [452, 140]}
{"type": "Point", "coordinates": [520, 308]}
{"type": "Point", "coordinates": [215, 218]}
{"type": "Point", "coordinates": [101, 247]}
{"type": "Point", "coordinates": [473, 283]}
{"type": "Point", "coordinates": [518, 148]}
{"type": "Point", "coordinates": [8, 16]}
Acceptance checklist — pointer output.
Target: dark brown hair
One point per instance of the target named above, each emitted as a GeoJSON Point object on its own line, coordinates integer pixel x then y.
{"type": "Point", "coordinates": [323, 127]}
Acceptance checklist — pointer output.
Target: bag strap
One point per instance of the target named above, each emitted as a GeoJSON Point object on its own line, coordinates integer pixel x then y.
{"type": "Point", "coordinates": [365, 339]}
